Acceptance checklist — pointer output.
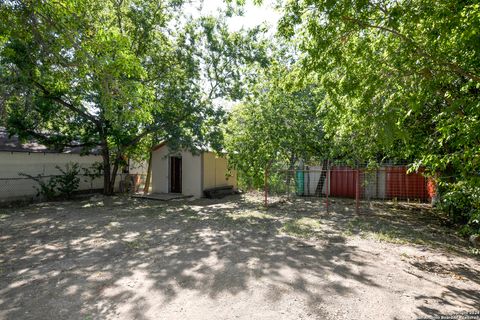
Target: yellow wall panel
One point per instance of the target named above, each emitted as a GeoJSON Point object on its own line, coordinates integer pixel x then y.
{"type": "Point", "coordinates": [208, 170]}
{"type": "Point", "coordinates": [215, 172]}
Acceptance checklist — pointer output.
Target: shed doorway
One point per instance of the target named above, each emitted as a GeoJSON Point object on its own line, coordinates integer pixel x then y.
{"type": "Point", "coordinates": [175, 174]}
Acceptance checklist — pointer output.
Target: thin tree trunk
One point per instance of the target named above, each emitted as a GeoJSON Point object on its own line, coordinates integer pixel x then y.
{"type": "Point", "coordinates": [149, 174]}
{"type": "Point", "coordinates": [265, 186]}
{"type": "Point", "coordinates": [291, 167]}
{"type": "Point", "coordinates": [321, 181]}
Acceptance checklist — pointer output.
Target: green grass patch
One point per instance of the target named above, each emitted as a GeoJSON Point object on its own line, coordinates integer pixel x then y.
{"type": "Point", "coordinates": [250, 215]}
{"type": "Point", "coordinates": [138, 244]}
{"type": "Point", "coordinates": [388, 236]}
{"type": "Point", "coordinates": [303, 228]}
{"type": "Point", "coordinates": [474, 251]}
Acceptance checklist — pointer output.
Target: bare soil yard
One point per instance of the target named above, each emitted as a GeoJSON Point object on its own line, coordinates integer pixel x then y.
{"type": "Point", "coordinates": [122, 258]}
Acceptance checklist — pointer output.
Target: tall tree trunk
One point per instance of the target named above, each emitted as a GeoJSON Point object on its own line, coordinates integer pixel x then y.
{"type": "Point", "coordinates": [106, 168]}
{"type": "Point", "coordinates": [114, 173]}
{"type": "Point", "coordinates": [149, 174]}
{"type": "Point", "coordinates": [321, 181]}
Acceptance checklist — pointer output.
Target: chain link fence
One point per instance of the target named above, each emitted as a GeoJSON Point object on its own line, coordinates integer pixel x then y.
{"type": "Point", "coordinates": [357, 186]}
{"type": "Point", "coordinates": [26, 188]}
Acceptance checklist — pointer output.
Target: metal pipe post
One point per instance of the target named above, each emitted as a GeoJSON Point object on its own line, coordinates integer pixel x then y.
{"type": "Point", "coordinates": [328, 184]}
{"type": "Point", "coordinates": [357, 192]}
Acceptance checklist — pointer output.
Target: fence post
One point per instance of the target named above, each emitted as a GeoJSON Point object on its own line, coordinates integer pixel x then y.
{"type": "Point", "coordinates": [328, 182]}
{"type": "Point", "coordinates": [266, 187]}
{"type": "Point", "coordinates": [357, 191]}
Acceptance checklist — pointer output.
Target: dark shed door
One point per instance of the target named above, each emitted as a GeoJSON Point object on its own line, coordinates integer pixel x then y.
{"type": "Point", "coordinates": [176, 175]}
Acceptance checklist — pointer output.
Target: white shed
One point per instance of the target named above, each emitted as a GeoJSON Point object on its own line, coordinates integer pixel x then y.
{"type": "Point", "coordinates": [187, 173]}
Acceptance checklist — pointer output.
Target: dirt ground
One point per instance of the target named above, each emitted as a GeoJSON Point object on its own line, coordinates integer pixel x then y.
{"type": "Point", "coordinates": [122, 258]}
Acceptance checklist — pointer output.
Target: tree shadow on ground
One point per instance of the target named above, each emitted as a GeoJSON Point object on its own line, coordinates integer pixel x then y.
{"type": "Point", "coordinates": [95, 260]}
{"type": "Point", "coordinates": [401, 223]}
{"type": "Point", "coordinates": [77, 260]}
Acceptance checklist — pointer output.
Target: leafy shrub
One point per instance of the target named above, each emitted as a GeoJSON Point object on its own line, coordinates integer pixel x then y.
{"type": "Point", "coordinates": [67, 183]}
{"type": "Point", "coordinates": [63, 185]}
{"type": "Point", "coordinates": [46, 189]}
{"type": "Point", "coordinates": [461, 201]}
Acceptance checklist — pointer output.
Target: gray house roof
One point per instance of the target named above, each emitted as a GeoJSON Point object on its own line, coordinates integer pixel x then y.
{"type": "Point", "coordinates": [13, 144]}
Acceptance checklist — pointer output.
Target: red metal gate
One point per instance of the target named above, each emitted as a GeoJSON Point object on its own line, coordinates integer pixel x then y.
{"type": "Point", "coordinates": [405, 186]}
{"type": "Point", "coordinates": [343, 181]}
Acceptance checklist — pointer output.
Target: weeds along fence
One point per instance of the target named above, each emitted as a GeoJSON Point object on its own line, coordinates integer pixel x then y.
{"type": "Point", "coordinates": [44, 166]}
{"type": "Point", "coordinates": [24, 188]}
{"type": "Point", "coordinates": [360, 184]}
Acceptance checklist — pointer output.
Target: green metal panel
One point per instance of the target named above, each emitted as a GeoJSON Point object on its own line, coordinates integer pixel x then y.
{"type": "Point", "coordinates": [300, 183]}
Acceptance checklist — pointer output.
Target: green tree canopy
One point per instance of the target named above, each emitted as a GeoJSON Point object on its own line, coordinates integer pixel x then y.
{"type": "Point", "coordinates": [276, 125]}
{"type": "Point", "coordinates": [109, 74]}
{"type": "Point", "coordinates": [402, 77]}
{"type": "Point", "coordinates": [402, 80]}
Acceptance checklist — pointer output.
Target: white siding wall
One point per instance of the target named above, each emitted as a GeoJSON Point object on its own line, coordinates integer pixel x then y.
{"type": "Point", "coordinates": [192, 174]}
{"type": "Point", "coordinates": [11, 164]}
{"type": "Point", "coordinates": [374, 184]}
{"type": "Point", "coordinates": [138, 167]}
{"type": "Point", "coordinates": [382, 183]}
{"type": "Point", "coordinates": [310, 180]}
{"type": "Point", "coordinates": [160, 173]}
